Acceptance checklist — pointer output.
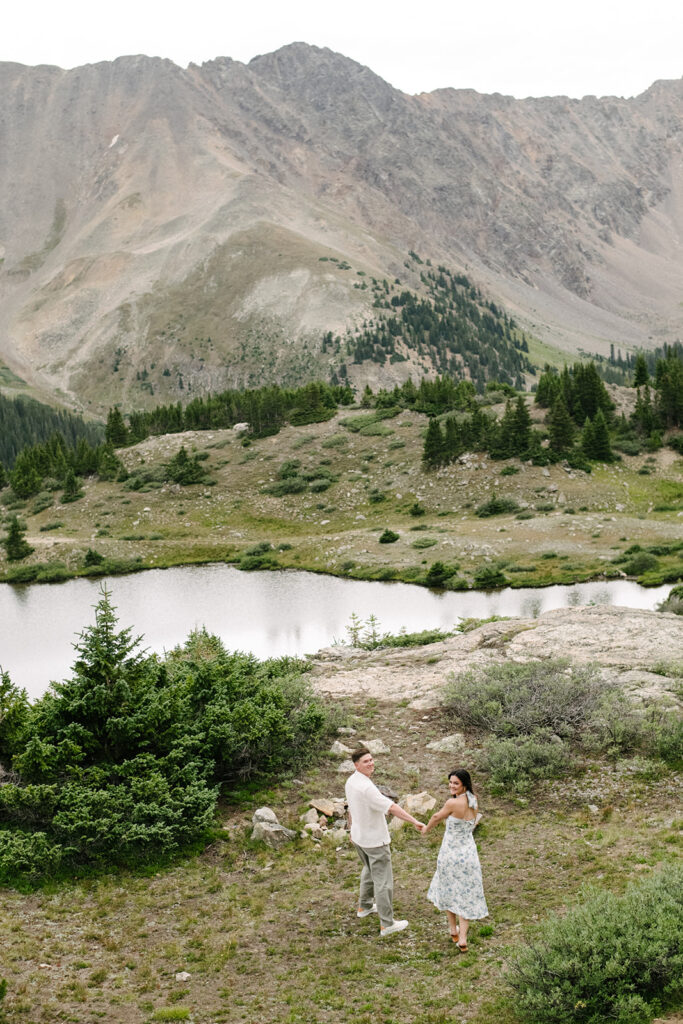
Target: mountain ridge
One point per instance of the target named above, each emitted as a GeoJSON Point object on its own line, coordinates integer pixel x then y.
{"type": "Point", "coordinates": [133, 181]}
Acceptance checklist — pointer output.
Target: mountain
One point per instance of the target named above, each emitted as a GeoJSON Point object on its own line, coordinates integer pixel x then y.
{"type": "Point", "coordinates": [167, 230]}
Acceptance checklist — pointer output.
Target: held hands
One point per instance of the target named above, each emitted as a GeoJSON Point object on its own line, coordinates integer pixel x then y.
{"type": "Point", "coordinates": [422, 829]}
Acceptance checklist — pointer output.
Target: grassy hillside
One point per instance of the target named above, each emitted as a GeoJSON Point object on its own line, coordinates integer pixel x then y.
{"type": "Point", "coordinates": [273, 936]}
{"type": "Point", "coordinates": [359, 477]}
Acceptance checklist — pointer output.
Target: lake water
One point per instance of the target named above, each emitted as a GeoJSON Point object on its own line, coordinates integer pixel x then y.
{"type": "Point", "coordinates": [266, 613]}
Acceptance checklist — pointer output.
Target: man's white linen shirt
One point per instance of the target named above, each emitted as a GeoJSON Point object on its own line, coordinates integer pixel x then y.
{"type": "Point", "coordinates": [368, 809]}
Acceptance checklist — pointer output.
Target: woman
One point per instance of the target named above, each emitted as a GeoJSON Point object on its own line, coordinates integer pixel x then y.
{"type": "Point", "coordinates": [457, 886]}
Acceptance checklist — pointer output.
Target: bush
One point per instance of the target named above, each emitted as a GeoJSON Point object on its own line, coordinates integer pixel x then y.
{"type": "Point", "coordinates": [674, 602]}
{"type": "Point", "coordinates": [438, 573]}
{"type": "Point", "coordinates": [497, 507]}
{"type": "Point", "coordinates": [123, 762]}
{"type": "Point", "coordinates": [289, 485]}
{"type": "Point", "coordinates": [611, 960]}
{"type": "Point", "coordinates": [512, 700]}
{"type": "Point", "coordinates": [388, 537]}
{"type": "Point", "coordinates": [93, 558]}
{"type": "Point", "coordinates": [516, 764]}
{"type": "Point", "coordinates": [490, 577]}
{"type": "Point", "coordinates": [640, 563]}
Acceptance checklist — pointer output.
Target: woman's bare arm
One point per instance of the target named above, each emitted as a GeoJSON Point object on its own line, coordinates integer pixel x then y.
{"type": "Point", "coordinates": [441, 815]}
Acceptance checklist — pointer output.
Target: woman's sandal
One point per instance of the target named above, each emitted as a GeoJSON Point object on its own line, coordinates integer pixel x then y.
{"type": "Point", "coordinates": [456, 933]}
{"type": "Point", "coordinates": [462, 946]}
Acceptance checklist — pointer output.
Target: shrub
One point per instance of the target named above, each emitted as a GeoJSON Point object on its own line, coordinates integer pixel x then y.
{"type": "Point", "coordinates": [93, 558]}
{"type": "Point", "coordinates": [319, 485]}
{"type": "Point", "coordinates": [388, 537]}
{"type": "Point", "coordinates": [290, 485]}
{"type": "Point", "coordinates": [674, 602]}
{"type": "Point", "coordinates": [438, 573]}
{"type": "Point", "coordinates": [640, 563]}
{"type": "Point", "coordinates": [123, 762]}
{"type": "Point", "coordinates": [516, 764]}
{"type": "Point", "coordinates": [509, 470]}
{"type": "Point", "coordinates": [596, 966]}
{"type": "Point", "coordinates": [489, 577]}
{"type": "Point", "coordinates": [416, 509]}
{"type": "Point", "coordinates": [51, 526]}
{"type": "Point", "coordinates": [497, 507]}
{"type": "Point", "coordinates": [512, 700]}
{"type": "Point", "coordinates": [424, 542]}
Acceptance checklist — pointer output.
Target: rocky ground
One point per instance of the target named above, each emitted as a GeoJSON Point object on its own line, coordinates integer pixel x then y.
{"type": "Point", "coordinates": [639, 649]}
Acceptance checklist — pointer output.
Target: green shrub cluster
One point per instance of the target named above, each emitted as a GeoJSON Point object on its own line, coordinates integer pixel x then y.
{"type": "Point", "coordinates": [538, 715]}
{"type": "Point", "coordinates": [367, 635]}
{"type": "Point", "coordinates": [388, 537]}
{"type": "Point", "coordinates": [610, 960]}
{"type": "Point", "coordinates": [123, 762]}
{"type": "Point", "coordinates": [674, 602]}
{"type": "Point", "coordinates": [497, 507]}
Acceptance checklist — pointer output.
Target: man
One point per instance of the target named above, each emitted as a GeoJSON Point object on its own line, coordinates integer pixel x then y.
{"type": "Point", "coordinates": [369, 834]}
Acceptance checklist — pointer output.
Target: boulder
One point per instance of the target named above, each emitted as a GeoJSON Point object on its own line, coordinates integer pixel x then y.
{"type": "Point", "coordinates": [336, 835]}
{"type": "Point", "coordinates": [418, 804]}
{"type": "Point", "coordinates": [453, 744]}
{"type": "Point", "coordinates": [324, 806]}
{"type": "Point", "coordinates": [347, 767]}
{"type": "Point", "coordinates": [272, 835]}
{"type": "Point", "coordinates": [375, 746]}
{"type": "Point", "coordinates": [339, 748]}
{"type": "Point", "coordinates": [264, 814]}
{"type": "Point", "coordinates": [310, 817]}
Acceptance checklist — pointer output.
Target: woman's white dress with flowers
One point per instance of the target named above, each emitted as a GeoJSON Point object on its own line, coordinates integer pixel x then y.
{"type": "Point", "coordinates": [457, 884]}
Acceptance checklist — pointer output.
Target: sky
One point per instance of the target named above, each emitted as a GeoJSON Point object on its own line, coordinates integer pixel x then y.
{"type": "Point", "coordinates": [515, 47]}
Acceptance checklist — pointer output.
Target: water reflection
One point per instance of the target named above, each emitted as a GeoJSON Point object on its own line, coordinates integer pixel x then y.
{"type": "Point", "coordinates": [269, 613]}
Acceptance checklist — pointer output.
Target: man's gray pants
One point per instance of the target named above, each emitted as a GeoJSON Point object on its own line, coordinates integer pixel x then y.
{"type": "Point", "coordinates": [377, 881]}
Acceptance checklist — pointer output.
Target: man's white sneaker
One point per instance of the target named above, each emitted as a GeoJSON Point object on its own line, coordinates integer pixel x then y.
{"type": "Point", "coordinates": [366, 911]}
{"type": "Point", "coordinates": [396, 926]}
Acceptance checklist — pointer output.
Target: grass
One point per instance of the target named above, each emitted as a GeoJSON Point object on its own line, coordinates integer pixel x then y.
{"type": "Point", "coordinates": [219, 522]}
{"type": "Point", "coordinates": [273, 936]}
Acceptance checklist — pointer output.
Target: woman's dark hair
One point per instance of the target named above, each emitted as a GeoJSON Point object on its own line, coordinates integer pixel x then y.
{"type": "Point", "coordinates": [464, 776]}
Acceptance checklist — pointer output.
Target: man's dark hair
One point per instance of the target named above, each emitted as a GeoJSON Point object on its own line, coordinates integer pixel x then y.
{"type": "Point", "coordinates": [358, 753]}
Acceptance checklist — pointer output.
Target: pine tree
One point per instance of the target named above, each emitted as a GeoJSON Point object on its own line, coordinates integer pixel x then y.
{"type": "Point", "coordinates": [640, 374]}
{"type": "Point", "coordinates": [601, 444]}
{"type": "Point", "coordinates": [14, 543]}
{"type": "Point", "coordinates": [588, 439]}
{"type": "Point", "coordinates": [560, 427]}
{"type": "Point", "coordinates": [522, 426]}
{"type": "Point", "coordinates": [116, 431]}
{"type": "Point", "coordinates": [433, 452]}
{"type": "Point", "coordinates": [72, 490]}
{"type": "Point", "coordinates": [25, 478]}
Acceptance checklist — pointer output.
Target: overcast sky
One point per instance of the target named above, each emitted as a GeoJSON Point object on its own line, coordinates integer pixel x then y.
{"type": "Point", "coordinates": [517, 47]}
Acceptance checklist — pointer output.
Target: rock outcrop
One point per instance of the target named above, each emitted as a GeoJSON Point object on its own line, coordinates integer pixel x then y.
{"type": "Point", "coordinates": [627, 644]}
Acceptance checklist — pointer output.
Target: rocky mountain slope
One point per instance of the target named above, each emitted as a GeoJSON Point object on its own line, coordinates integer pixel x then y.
{"type": "Point", "coordinates": [166, 228]}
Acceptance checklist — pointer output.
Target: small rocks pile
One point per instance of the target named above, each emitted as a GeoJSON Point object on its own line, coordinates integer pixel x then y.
{"type": "Point", "coordinates": [326, 818]}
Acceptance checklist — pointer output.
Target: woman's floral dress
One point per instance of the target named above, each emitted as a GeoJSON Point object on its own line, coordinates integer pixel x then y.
{"type": "Point", "coordinates": [457, 884]}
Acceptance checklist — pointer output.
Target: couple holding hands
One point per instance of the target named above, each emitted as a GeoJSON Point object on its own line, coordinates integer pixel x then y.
{"type": "Point", "coordinates": [456, 886]}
